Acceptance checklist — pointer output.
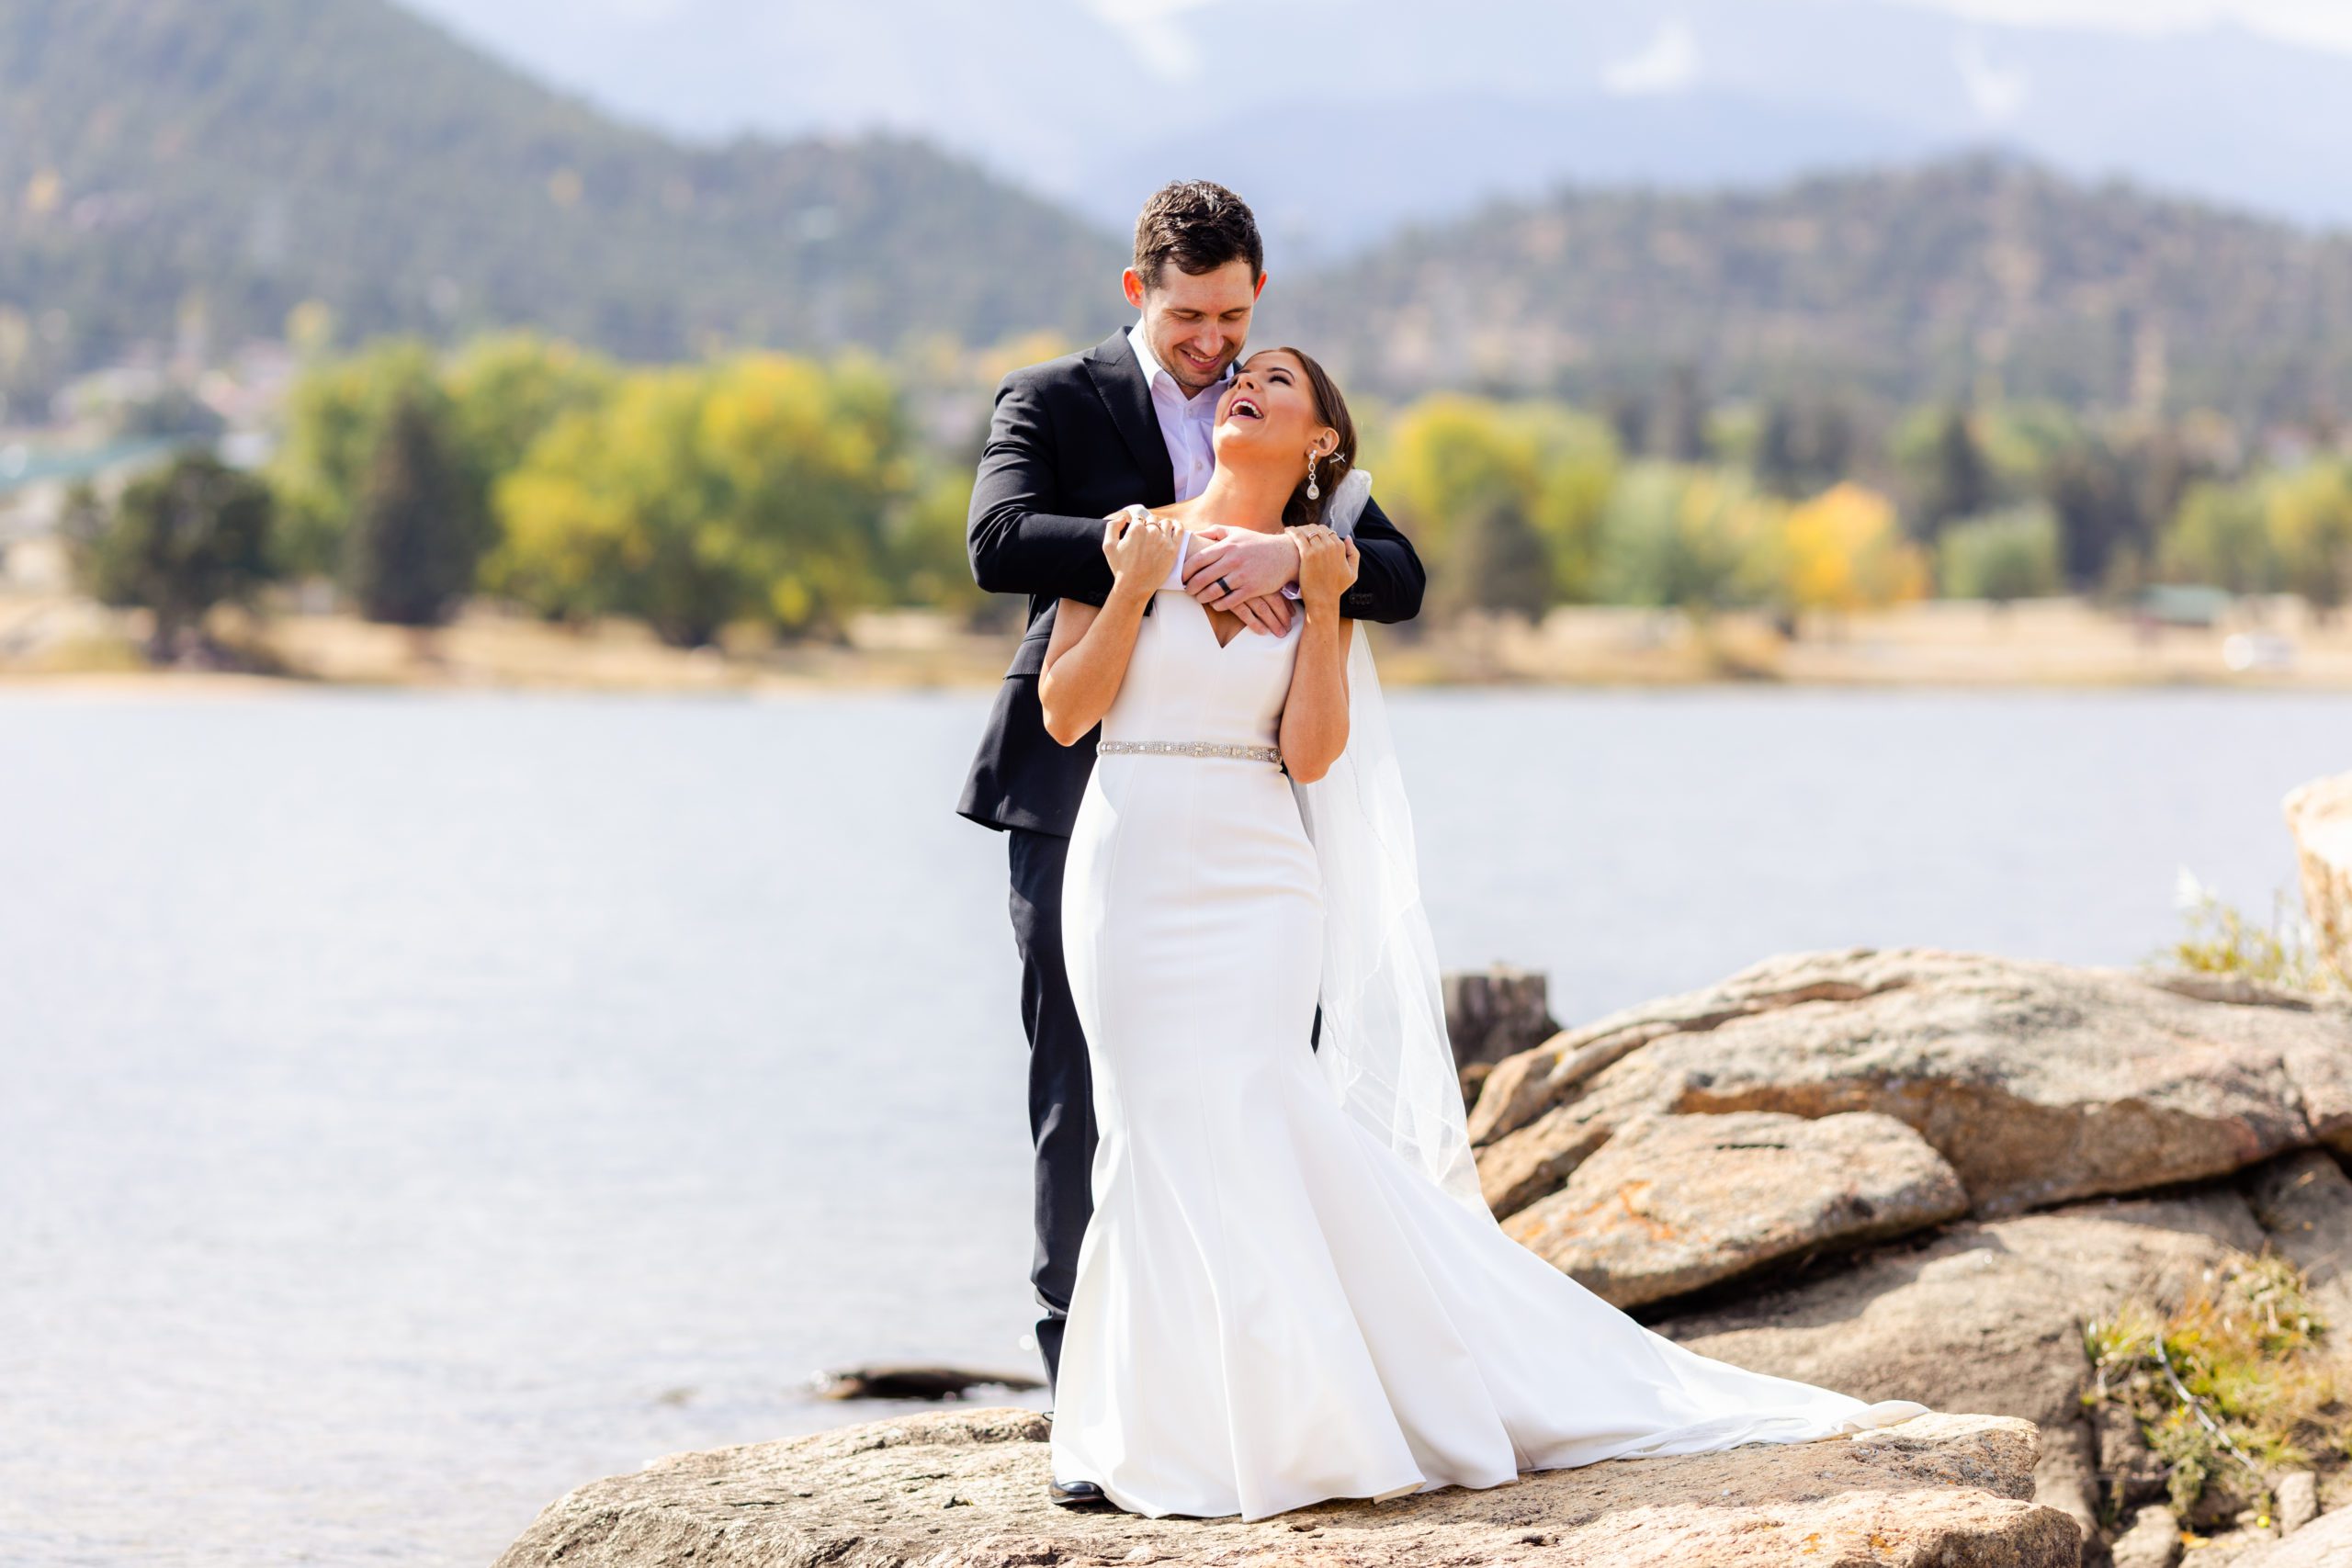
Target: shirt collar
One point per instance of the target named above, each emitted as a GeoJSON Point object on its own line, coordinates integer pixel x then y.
{"type": "Point", "coordinates": [1153, 370]}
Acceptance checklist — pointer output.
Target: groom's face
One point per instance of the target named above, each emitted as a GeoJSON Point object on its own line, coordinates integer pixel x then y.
{"type": "Point", "coordinates": [1197, 323]}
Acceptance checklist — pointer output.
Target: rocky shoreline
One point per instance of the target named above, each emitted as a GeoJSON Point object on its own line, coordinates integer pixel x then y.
{"type": "Point", "coordinates": [1903, 1173]}
{"type": "Point", "coordinates": [966, 1490]}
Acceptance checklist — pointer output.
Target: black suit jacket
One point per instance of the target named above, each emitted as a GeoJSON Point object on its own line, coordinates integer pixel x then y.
{"type": "Point", "coordinates": [1072, 441]}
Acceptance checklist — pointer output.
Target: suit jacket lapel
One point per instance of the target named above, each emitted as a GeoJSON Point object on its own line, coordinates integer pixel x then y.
{"type": "Point", "coordinates": [1118, 381]}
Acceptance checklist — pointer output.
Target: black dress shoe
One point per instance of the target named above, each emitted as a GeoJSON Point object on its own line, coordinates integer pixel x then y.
{"type": "Point", "coordinates": [1078, 1494]}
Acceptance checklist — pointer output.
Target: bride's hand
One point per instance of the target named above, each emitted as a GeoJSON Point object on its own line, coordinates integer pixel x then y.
{"type": "Point", "coordinates": [1141, 548]}
{"type": "Point", "coordinates": [1327, 566]}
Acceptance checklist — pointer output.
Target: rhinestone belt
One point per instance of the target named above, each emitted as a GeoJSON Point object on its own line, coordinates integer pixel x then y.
{"type": "Point", "coordinates": [1189, 749]}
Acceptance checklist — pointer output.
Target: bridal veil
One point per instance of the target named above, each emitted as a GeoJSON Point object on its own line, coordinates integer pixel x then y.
{"type": "Point", "coordinates": [1384, 1048]}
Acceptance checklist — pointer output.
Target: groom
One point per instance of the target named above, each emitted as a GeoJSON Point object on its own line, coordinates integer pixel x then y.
{"type": "Point", "coordinates": [1072, 441]}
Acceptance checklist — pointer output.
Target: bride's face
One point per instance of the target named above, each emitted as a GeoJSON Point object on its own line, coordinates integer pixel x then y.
{"type": "Point", "coordinates": [1269, 415]}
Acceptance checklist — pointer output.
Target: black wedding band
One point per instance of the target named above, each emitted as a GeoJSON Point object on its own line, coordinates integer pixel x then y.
{"type": "Point", "coordinates": [1223, 584]}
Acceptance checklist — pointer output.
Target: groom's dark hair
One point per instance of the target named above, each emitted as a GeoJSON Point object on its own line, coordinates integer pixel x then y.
{"type": "Point", "coordinates": [1200, 226]}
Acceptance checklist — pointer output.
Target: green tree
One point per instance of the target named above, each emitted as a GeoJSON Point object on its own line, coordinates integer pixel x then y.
{"type": "Point", "coordinates": [759, 489]}
{"type": "Point", "coordinates": [1499, 562]}
{"type": "Point", "coordinates": [576, 519]}
{"type": "Point", "coordinates": [2000, 556]}
{"type": "Point", "coordinates": [1779, 462]}
{"type": "Point", "coordinates": [927, 552]}
{"type": "Point", "coordinates": [2221, 536]}
{"type": "Point", "coordinates": [1687, 538]}
{"type": "Point", "coordinates": [2309, 514]}
{"type": "Point", "coordinates": [1449, 466]}
{"type": "Point", "coordinates": [1576, 469]}
{"type": "Point", "coordinates": [180, 541]}
{"type": "Point", "coordinates": [417, 534]}
{"type": "Point", "coordinates": [1802, 446]}
{"type": "Point", "coordinates": [2092, 488]}
{"type": "Point", "coordinates": [505, 389]}
{"type": "Point", "coordinates": [811, 460]}
{"type": "Point", "coordinates": [1681, 433]}
{"type": "Point", "coordinates": [335, 419]}
{"type": "Point", "coordinates": [1959, 483]}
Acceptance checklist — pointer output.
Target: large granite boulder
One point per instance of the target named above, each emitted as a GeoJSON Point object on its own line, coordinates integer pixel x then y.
{"type": "Point", "coordinates": [1987, 1315]}
{"type": "Point", "coordinates": [966, 1490]}
{"type": "Point", "coordinates": [2320, 815]}
{"type": "Point", "coordinates": [2037, 1082]}
{"type": "Point", "coordinates": [1673, 1203]}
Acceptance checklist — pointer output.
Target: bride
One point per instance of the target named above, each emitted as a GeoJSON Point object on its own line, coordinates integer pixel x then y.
{"type": "Point", "coordinates": [1290, 1291]}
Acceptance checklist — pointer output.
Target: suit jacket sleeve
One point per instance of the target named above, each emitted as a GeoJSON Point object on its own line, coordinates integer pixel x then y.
{"type": "Point", "coordinates": [1018, 543]}
{"type": "Point", "coordinates": [1389, 578]}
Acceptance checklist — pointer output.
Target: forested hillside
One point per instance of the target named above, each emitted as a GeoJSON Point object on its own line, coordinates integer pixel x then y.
{"type": "Point", "coordinates": [171, 165]}
{"type": "Point", "coordinates": [165, 162]}
{"type": "Point", "coordinates": [1931, 283]}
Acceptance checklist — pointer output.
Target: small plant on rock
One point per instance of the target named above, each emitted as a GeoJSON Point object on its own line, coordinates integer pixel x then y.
{"type": "Point", "coordinates": [2221, 940]}
{"type": "Point", "coordinates": [2229, 1386]}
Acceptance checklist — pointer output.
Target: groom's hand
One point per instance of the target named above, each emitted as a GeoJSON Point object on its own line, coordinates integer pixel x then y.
{"type": "Point", "coordinates": [1244, 571]}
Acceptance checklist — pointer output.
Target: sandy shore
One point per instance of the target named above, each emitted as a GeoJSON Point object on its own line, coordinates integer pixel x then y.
{"type": "Point", "coordinates": [61, 644]}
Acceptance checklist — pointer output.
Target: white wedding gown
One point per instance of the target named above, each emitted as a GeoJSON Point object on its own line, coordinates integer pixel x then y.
{"type": "Point", "coordinates": [1273, 1308]}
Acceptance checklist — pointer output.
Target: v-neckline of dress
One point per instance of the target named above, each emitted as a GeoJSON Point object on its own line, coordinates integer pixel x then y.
{"type": "Point", "coordinates": [1208, 616]}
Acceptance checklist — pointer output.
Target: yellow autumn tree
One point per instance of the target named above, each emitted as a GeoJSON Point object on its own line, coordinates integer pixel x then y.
{"type": "Point", "coordinates": [1844, 550]}
{"type": "Point", "coordinates": [1502, 500]}
{"type": "Point", "coordinates": [755, 489]}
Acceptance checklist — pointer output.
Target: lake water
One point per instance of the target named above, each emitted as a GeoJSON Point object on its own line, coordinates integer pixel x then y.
{"type": "Point", "coordinates": [416, 1106]}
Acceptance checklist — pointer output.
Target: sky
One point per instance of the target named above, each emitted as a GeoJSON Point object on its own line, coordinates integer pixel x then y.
{"type": "Point", "coordinates": [2327, 23]}
{"type": "Point", "coordinates": [1691, 94]}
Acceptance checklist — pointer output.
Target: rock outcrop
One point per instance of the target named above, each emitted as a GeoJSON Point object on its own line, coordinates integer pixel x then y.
{"type": "Point", "coordinates": [1673, 1203]}
{"type": "Point", "coordinates": [966, 1490]}
{"type": "Point", "coordinates": [1988, 1315]}
{"type": "Point", "coordinates": [1886, 1092]}
{"type": "Point", "coordinates": [2326, 1543]}
{"type": "Point", "coordinates": [2320, 815]}
{"type": "Point", "coordinates": [2036, 1082]}
{"type": "Point", "coordinates": [1905, 1174]}
{"type": "Point", "coordinates": [2304, 1201]}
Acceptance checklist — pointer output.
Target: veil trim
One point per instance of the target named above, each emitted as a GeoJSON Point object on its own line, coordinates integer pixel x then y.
{"type": "Point", "coordinates": [1383, 1049]}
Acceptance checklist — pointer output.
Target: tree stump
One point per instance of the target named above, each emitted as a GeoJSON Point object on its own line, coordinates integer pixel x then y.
{"type": "Point", "coordinates": [1495, 1013]}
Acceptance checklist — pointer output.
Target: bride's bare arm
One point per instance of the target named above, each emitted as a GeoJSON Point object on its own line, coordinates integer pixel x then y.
{"type": "Point", "coordinates": [1315, 714]}
{"type": "Point", "coordinates": [1086, 658]}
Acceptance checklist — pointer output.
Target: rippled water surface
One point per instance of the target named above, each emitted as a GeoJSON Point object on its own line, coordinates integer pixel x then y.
{"type": "Point", "coordinates": [416, 1106]}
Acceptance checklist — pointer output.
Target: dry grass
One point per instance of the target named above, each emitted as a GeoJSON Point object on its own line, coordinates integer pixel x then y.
{"type": "Point", "coordinates": [2221, 940]}
{"type": "Point", "coordinates": [2231, 1385]}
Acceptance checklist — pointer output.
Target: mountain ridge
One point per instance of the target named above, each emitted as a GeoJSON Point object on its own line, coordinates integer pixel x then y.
{"type": "Point", "coordinates": [219, 163]}
{"type": "Point", "coordinates": [176, 170]}
{"type": "Point", "coordinates": [1935, 282]}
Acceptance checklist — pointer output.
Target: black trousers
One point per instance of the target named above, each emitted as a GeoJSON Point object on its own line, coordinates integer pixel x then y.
{"type": "Point", "coordinates": [1061, 1082]}
{"type": "Point", "coordinates": [1061, 1087]}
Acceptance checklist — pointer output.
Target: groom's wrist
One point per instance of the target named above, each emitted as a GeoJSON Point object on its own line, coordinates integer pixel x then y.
{"type": "Point", "coordinates": [1289, 589]}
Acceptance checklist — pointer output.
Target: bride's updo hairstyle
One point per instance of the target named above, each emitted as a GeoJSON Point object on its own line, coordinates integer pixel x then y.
{"type": "Point", "coordinates": [1332, 409]}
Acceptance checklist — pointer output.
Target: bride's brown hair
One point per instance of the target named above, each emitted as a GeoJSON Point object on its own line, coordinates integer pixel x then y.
{"type": "Point", "coordinates": [1332, 409]}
